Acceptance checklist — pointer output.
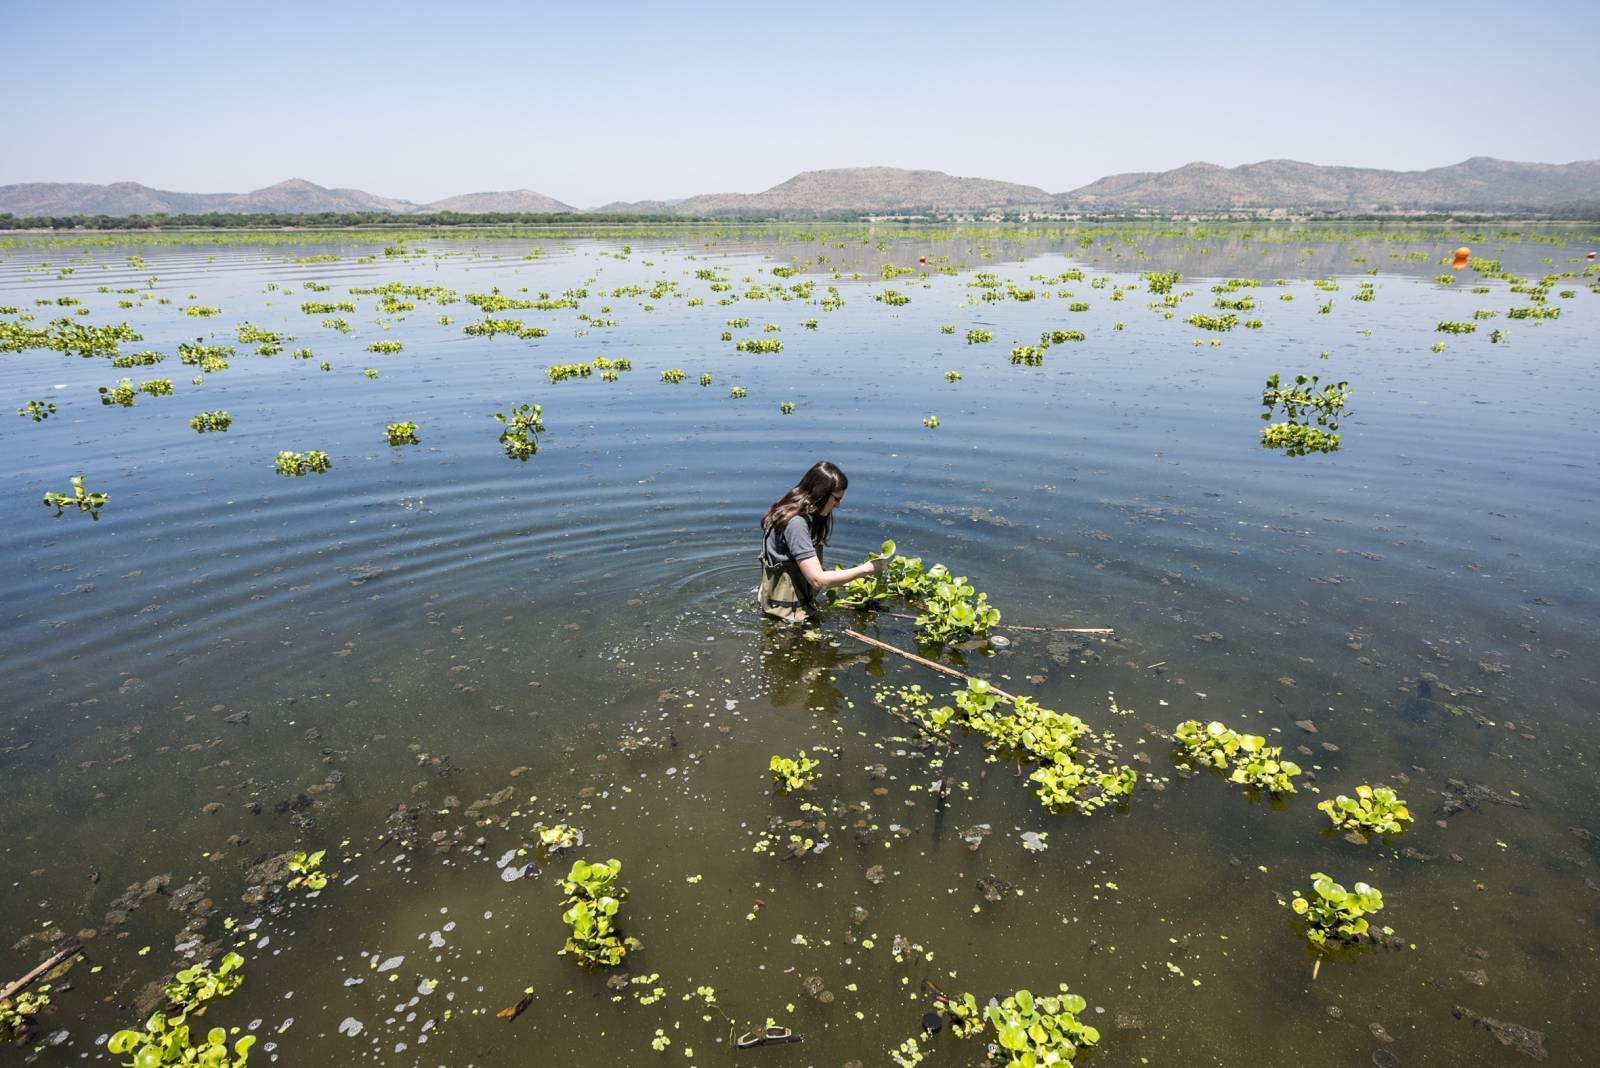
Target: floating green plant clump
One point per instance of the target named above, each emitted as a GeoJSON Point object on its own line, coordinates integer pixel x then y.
{"type": "Point", "coordinates": [38, 411]}
{"type": "Point", "coordinates": [165, 1041]}
{"type": "Point", "coordinates": [17, 1015]}
{"type": "Point", "coordinates": [166, 1037]}
{"type": "Point", "coordinates": [1253, 761]}
{"type": "Point", "coordinates": [1058, 337]}
{"type": "Point", "coordinates": [1213, 322]}
{"type": "Point", "coordinates": [1295, 435]}
{"type": "Point", "coordinates": [592, 901]}
{"type": "Point", "coordinates": [558, 838]}
{"type": "Point", "coordinates": [1374, 810]}
{"type": "Point", "coordinates": [787, 408]}
{"type": "Point", "coordinates": [146, 358]}
{"type": "Point", "coordinates": [759, 344]}
{"type": "Point", "coordinates": [795, 774]}
{"type": "Point", "coordinates": [522, 429]}
{"type": "Point", "coordinates": [401, 433]}
{"type": "Point", "coordinates": [1333, 914]}
{"type": "Point", "coordinates": [977, 336]}
{"type": "Point", "coordinates": [386, 347]}
{"type": "Point", "coordinates": [953, 611]}
{"type": "Point", "coordinates": [563, 371]}
{"type": "Point", "coordinates": [952, 376]}
{"type": "Point", "coordinates": [123, 393]}
{"type": "Point", "coordinates": [674, 375]}
{"type": "Point", "coordinates": [1068, 778]}
{"type": "Point", "coordinates": [738, 392]}
{"type": "Point", "coordinates": [193, 987]}
{"type": "Point", "coordinates": [932, 422]}
{"type": "Point", "coordinates": [1027, 355]}
{"type": "Point", "coordinates": [211, 422]}
{"type": "Point", "coordinates": [892, 297]}
{"type": "Point", "coordinates": [314, 307]}
{"type": "Point", "coordinates": [79, 498]}
{"type": "Point", "coordinates": [1159, 282]}
{"type": "Point", "coordinates": [295, 464]}
{"type": "Point", "coordinates": [1456, 328]}
{"type": "Point", "coordinates": [514, 327]}
{"type": "Point", "coordinates": [1027, 1030]}
{"type": "Point", "coordinates": [307, 869]}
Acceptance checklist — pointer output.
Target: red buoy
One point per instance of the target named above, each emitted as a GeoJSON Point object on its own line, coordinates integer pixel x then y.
{"type": "Point", "coordinates": [924, 260]}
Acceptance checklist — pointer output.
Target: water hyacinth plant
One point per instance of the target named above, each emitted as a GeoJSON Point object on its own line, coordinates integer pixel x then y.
{"type": "Point", "coordinates": [593, 899]}
{"type": "Point", "coordinates": [1026, 1030]}
{"type": "Point", "coordinates": [1334, 914]}
{"type": "Point", "coordinates": [563, 371]}
{"type": "Point", "coordinates": [977, 336]}
{"type": "Point", "coordinates": [38, 411]}
{"type": "Point", "coordinates": [209, 422]}
{"type": "Point", "coordinates": [1374, 810]}
{"type": "Point", "coordinates": [1253, 762]}
{"type": "Point", "coordinates": [1295, 435]}
{"type": "Point", "coordinates": [672, 374]}
{"type": "Point", "coordinates": [523, 426]}
{"type": "Point", "coordinates": [385, 347]}
{"type": "Point", "coordinates": [307, 869]}
{"type": "Point", "coordinates": [401, 433]}
{"type": "Point", "coordinates": [295, 464]}
{"type": "Point", "coordinates": [79, 498]}
{"type": "Point", "coordinates": [794, 774]}
{"type": "Point", "coordinates": [953, 611]}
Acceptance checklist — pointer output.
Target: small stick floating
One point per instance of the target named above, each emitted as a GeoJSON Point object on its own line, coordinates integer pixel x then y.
{"type": "Point", "coordinates": [55, 959]}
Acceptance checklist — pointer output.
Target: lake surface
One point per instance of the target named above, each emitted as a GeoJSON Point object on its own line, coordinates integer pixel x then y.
{"type": "Point", "coordinates": [411, 659]}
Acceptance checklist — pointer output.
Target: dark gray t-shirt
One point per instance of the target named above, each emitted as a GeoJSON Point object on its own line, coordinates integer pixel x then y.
{"type": "Point", "coordinates": [791, 543]}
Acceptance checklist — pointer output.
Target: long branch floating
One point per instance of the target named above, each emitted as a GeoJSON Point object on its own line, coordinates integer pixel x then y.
{"type": "Point", "coordinates": [914, 658]}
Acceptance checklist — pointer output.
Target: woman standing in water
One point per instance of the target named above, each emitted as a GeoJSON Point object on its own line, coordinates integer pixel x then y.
{"type": "Point", "coordinates": [796, 528]}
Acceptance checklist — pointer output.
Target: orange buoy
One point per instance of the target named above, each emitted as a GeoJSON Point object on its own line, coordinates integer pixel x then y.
{"type": "Point", "coordinates": [922, 260]}
{"type": "Point", "coordinates": [1591, 257]}
{"type": "Point", "coordinates": [1462, 254]}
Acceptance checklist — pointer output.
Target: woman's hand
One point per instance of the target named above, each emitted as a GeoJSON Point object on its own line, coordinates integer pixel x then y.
{"type": "Point", "coordinates": [876, 567]}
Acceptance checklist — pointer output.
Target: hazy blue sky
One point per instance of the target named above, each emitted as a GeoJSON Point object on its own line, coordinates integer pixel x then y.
{"type": "Point", "coordinates": [627, 101]}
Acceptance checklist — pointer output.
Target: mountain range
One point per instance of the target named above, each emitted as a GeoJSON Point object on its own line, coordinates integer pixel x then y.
{"type": "Point", "coordinates": [1480, 184]}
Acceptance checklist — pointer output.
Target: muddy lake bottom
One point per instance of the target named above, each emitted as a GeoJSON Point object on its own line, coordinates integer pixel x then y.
{"type": "Point", "coordinates": [410, 660]}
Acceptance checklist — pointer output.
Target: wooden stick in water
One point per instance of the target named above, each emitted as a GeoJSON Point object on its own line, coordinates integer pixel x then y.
{"type": "Point", "coordinates": [915, 659]}
{"type": "Point", "coordinates": [55, 959]}
{"type": "Point", "coordinates": [1018, 626]}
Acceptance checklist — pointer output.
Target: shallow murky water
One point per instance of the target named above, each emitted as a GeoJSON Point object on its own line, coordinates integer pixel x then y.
{"type": "Point", "coordinates": [411, 659]}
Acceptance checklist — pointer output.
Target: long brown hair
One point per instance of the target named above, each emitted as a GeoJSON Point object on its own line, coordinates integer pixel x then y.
{"type": "Point", "coordinates": [809, 496]}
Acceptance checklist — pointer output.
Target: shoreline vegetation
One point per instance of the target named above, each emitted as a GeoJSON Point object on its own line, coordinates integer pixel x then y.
{"type": "Point", "coordinates": [492, 222]}
{"type": "Point", "coordinates": [394, 231]}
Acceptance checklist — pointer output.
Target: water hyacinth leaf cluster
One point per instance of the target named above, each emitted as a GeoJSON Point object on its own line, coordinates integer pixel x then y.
{"type": "Point", "coordinates": [1025, 1029]}
{"type": "Point", "coordinates": [797, 773]}
{"type": "Point", "coordinates": [1295, 435]}
{"type": "Point", "coordinates": [1253, 762]}
{"type": "Point", "coordinates": [295, 464]}
{"type": "Point", "coordinates": [1373, 810]}
{"type": "Point", "coordinates": [1334, 914]}
{"type": "Point", "coordinates": [520, 438]}
{"type": "Point", "coordinates": [593, 898]}
{"type": "Point", "coordinates": [1068, 778]}
{"type": "Point", "coordinates": [404, 433]}
{"type": "Point", "coordinates": [80, 498]}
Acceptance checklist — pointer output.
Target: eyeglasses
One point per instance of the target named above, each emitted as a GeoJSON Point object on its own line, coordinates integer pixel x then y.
{"type": "Point", "coordinates": [836, 498]}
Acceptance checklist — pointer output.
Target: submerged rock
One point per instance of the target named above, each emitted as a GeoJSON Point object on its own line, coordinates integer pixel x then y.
{"type": "Point", "coordinates": [1524, 1040]}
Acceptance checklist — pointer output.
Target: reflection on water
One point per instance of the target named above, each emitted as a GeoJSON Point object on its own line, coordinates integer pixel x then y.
{"type": "Point", "coordinates": [411, 660]}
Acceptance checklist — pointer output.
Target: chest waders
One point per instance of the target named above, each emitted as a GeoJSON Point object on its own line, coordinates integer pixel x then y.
{"type": "Point", "coordinates": [785, 593]}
